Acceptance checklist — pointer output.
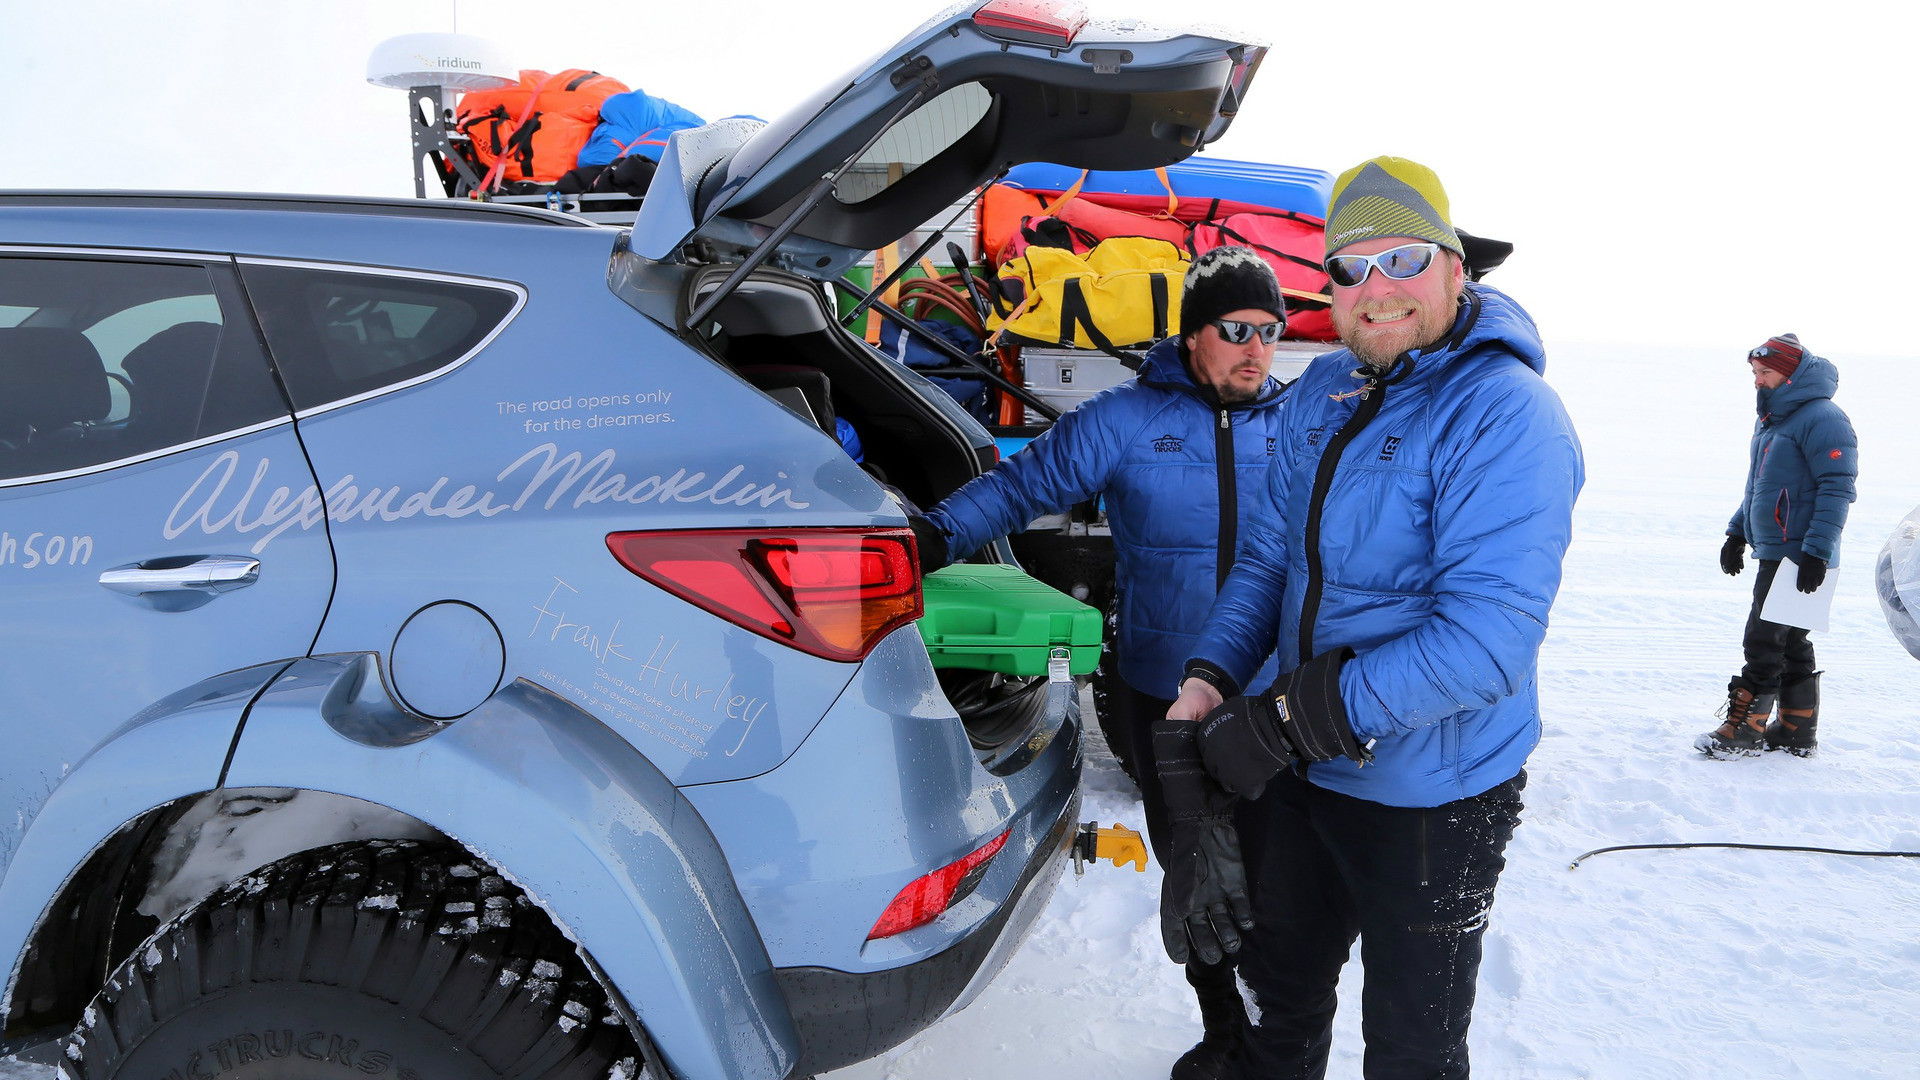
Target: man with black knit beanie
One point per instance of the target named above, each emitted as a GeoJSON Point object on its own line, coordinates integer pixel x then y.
{"type": "Point", "coordinates": [1180, 452]}
{"type": "Point", "coordinates": [1404, 563]}
{"type": "Point", "coordinates": [1800, 472]}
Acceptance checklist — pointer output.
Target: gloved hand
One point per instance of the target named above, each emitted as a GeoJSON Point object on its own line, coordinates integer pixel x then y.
{"type": "Point", "coordinates": [1203, 900]}
{"type": "Point", "coordinates": [1247, 740]}
{"type": "Point", "coordinates": [1733, 555]}
{"type": "Point", "coordinates": [931, 542]}
{"type": "Point", "coordinates": [1812, 572]}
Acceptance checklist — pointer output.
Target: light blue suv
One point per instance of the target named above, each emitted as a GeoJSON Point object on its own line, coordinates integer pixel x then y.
{"type": "Point", "coordinates": [450, 640]}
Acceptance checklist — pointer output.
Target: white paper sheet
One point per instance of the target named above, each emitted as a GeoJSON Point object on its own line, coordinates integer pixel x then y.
{"type": "Point", "coordinates": [1787, 605]}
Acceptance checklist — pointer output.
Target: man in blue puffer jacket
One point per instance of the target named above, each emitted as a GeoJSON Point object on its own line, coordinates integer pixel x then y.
{"type": "Point", "coordinates": [1420, 504]}
{"type": "Point", "coordinates": [1180, 453]}
{"type": "Point", "coordinates": [1800, 475]}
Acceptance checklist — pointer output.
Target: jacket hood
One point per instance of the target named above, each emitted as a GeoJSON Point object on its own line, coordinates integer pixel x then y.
{"type": "Point", "coordinates": [1486, 316]}
{"type": "Point", "coordinates": [1815, 378]}
{"type": "Point", "coordinates": [1166, 367]}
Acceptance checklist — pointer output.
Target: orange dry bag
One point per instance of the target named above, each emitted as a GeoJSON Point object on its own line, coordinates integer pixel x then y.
{"type": "Point", "coordinates": [534, 131]}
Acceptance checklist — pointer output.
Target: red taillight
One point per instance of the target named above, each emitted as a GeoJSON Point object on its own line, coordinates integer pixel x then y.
{"type": "Point", "coordinates": [829, 592]}
{"type": "Point", "coordinates": [927, 896]}
{"type": "Point", "coordinates": [1053, 23]}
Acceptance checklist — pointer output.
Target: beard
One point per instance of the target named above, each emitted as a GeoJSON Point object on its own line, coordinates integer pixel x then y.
{"type": "Point", "coordinates": [1230, 394]}
{"type": "Point", "coordinates": [1379, 346]}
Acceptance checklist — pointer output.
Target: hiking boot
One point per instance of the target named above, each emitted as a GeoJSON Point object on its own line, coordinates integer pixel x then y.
{"type": "Point", "coordinates": [1224, 1016]}
{"type": "Point", "coordinates": [1799, 713]}
{"type": "Point", "coordinates": [1210, 1059]}
{"type": "Point", "coordinates": [1744, 734]}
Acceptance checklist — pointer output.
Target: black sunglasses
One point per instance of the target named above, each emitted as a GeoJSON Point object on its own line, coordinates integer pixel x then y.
{"type": "Point", "coordinates": [1236, 332]}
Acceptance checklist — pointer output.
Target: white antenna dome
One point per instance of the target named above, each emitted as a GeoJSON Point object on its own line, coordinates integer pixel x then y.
{"type": "Point", "coordinates": [460, 61]}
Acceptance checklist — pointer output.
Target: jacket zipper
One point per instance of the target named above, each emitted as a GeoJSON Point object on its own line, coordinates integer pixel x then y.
{"type": "Point", "coordinates": [1372, 396]}
{"type": "Point", "coordinates": [1229, 499]}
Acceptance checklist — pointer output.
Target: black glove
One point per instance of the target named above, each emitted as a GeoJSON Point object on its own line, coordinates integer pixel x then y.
{"type": "Point", "coordinates": [1203, 900]}
{"type": "Point", "coordinates": [1812, 572]}
{"type": "Point", "coordinates": [1733, 554]}
{"type": "Point", "coordinates": [1247, 740]}
{"type": "Point", "coordinates": [931, 542]}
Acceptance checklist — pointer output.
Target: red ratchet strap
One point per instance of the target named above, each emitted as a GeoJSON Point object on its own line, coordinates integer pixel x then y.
{"type": "Point", "coordinates": [641, 141]}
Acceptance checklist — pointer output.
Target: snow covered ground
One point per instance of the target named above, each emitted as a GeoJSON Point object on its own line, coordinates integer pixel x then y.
{"type": "Point", "coordinates": [1644, 965]}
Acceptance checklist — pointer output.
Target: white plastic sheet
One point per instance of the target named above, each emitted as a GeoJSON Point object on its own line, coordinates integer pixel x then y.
{"type": "Point", "coordinates": [1896, 578]}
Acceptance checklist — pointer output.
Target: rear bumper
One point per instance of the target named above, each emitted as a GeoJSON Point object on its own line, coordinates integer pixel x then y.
{"type": "Point", "coordinates": [843, 1017]}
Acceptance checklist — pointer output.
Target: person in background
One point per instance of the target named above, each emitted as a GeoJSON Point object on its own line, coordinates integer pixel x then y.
{"type": "Point", "coordinates": [1179, 453]}
{"type": "Point", "coordinates": [1800, 471]}
{"type": "Point", "coordinates": [1404, 563]}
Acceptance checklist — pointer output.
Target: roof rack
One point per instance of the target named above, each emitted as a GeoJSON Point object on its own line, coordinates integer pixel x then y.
{"type": "Point", "coordinates": [533, 213]}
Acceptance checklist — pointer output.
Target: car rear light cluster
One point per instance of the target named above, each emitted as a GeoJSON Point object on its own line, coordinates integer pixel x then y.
{"type": "Point", "coordinates": [829, 592]}
{"type": "Point", "coordinates": [1053, 23]}
{"type": "Point", "coordinates": [927, 896]}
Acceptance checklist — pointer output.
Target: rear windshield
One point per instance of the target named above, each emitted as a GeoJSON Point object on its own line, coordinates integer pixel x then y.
{"type": "Point", "coordinates": [914, 141]}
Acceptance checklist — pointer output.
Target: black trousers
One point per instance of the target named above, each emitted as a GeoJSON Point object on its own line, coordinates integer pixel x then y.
{"type": "Point", "coordinates": [1414, 885]}
{"type": "Point", "coordinates": [1137, 712]}
{"type": "Point", "coordinates": [1776, 653]}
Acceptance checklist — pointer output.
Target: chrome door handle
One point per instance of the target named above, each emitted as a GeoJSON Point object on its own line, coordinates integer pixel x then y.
{"type": "Point", "coordinates": [208, 574]}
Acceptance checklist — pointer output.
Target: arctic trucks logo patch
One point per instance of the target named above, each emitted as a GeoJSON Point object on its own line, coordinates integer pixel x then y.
{"type": "Point", "coordinates": [1168, 444]}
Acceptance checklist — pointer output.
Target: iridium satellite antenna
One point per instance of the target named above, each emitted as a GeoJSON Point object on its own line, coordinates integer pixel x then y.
{"type": "Point", "coordinates": [433, 68]}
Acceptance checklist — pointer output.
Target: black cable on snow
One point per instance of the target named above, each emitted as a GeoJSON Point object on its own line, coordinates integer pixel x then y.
{"type": "Point", "coordinates": [1575, 864]}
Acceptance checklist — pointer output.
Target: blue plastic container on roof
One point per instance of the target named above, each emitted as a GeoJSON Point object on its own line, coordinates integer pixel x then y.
{"type": "Point", "coordinates": [1281, 187]}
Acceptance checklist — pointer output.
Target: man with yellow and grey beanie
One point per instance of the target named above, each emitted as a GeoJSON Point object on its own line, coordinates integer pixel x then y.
{"type": "Point", "coordinates": [1420, 502]}
{"type": "Point", "coordinates": [1387, 225]}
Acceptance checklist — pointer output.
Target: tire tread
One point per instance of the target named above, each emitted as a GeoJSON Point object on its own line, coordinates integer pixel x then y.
{"type": "Point", "coordinates": [427, 929]}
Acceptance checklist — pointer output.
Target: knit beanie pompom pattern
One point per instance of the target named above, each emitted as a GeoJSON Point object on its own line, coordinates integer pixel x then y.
{"type": "Point", "coordinates": [1224, 280]}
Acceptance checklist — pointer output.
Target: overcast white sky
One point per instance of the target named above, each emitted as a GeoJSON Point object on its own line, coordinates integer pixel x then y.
{"type": "Point", "coordinates": [1677, 171]}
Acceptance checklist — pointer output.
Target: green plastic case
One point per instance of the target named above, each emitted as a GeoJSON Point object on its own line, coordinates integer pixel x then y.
{"type": "Point", "coordinates": [995, 618]}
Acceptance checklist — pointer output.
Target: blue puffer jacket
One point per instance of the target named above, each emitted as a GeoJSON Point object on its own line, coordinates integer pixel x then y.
{"type": "Point", "coordinates": [1800, 469]}
{"type": "Point", "coordinates": [1440, 533]}
{"type": "Point", "coordinates": [1150, 446]}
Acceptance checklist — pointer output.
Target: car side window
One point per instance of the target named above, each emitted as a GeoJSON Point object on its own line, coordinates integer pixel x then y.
{"type": "Point", "coordinates": [105, 360]}
{"type": "Point", "coordinates": [337, 335]}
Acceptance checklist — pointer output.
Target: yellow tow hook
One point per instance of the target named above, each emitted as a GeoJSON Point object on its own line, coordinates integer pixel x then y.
{"type": "Point", "coordinates": [1092, 843]}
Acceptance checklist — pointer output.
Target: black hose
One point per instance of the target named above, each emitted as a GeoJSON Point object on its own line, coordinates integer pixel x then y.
{"type": "Point", "coordinates": [1575, 864]}
{"type": "Point", "coordinates": [993, 707]}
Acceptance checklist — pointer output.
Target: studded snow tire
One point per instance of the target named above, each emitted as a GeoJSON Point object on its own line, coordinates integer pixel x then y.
{"type": "Point", "coordinates": [373, 959]}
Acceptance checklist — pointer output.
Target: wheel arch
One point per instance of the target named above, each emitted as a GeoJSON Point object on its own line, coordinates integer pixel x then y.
{"type": "Point", "coordinates": [81, 849]}
{"type": "Point", "coordinates": [575, 817]}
